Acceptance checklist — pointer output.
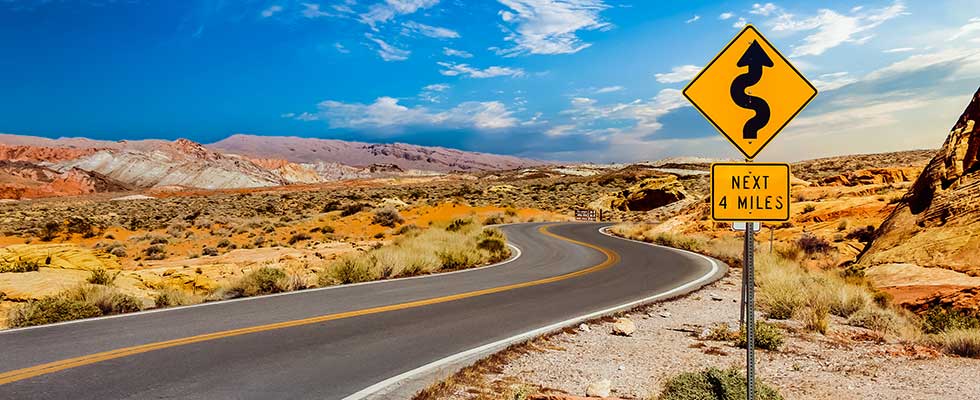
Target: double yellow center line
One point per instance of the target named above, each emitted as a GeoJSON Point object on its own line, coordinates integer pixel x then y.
{"type": "Point", "coordinates": [16, 375]}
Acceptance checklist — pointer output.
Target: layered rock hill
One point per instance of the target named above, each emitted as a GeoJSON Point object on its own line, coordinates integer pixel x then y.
{"type": "Point", "coordinates": [21, 179]}
{"type": "Point", "coordinates": [405, 156]}
{"type": "Point", "coordinates": [937, 223]}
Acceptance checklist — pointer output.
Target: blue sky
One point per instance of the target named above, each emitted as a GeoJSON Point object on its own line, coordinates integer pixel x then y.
{"type": "Point", "coordinates": [577, 80]}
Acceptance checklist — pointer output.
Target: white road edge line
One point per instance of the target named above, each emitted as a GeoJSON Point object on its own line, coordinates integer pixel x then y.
{"type": "Point", "coordinates": [378, 387]}
{"type": "Point", "coordinates": [517, 254]}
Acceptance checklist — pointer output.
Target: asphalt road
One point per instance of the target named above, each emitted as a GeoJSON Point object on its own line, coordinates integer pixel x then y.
{"type": "Point", "coordinates": [331, 343]}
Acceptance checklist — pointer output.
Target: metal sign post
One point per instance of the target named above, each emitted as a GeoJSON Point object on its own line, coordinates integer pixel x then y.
{"type": "Point", "coordinates": [748, 277]}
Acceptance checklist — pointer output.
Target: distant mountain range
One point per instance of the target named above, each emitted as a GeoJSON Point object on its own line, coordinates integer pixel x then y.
{"type": "Point", "coordinates": [40, 167]}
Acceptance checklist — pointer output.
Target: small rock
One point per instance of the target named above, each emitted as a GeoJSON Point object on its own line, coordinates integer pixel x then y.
{"type": "Point", "coordinates": [599, 388]}
{"type": "Point", "coordinates": [583, 328]}
{"type": "Point", "coordinates": [704, 333]}
{"type": "Point", "coordinates": [624, 327]}
{"type": "Point", "coordinates": [665, 314]}
{"type": "Point", "coordinates": [622, 368]}
{"type": "Point", "coordinates": [715, 297]}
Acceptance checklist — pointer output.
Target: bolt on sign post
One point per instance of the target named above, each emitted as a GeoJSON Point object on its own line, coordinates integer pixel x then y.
{"type": "Point", "coordinates": [749, 92]}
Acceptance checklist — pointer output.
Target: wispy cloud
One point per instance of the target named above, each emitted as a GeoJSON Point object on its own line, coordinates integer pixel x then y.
{"type": "Point", "coordinates": [312, 10]}
{"type": "Point", "coordinates": [740, 23]}
{"type": "Point", "coordinates": [434, 93]}
{"type": "Point", "coordinates": [830, 29]}
{"type": "Point", "coordinates": [387, 51]}
{"type": "Point", "coordinates": [271, 10]}
{"type": "Point", "coordinates": [900, 50]}
{"type": "Point", "coordinates": [725, 15]}
{"type": "Point", "coordinates": [430, 31]}
{"type": "Point", "coordinates": [549, 26]}
{"type": "Point", "coordinates": [340, 48]}
{"type": "Point", "coordinates": [453, 69]}
{"type": "Point", "coordinates": [681, 73]}
{"type": "Point", "coordinates": [381, 13]}
{"type": "Point", "coordinates": [456, 53]}
{"type": "Point", "coordinates": [971, 28]}
{"type": "Point", "coordinates": [386, 112]}
{"type": "Point", "coordinates": [833, 81]}
{"type": "Point", "coordinates": [608, 89]}
{"type": "Point", "coordinates": [692, 19]}
{"type": "Point", "coordinates": [763, 9]}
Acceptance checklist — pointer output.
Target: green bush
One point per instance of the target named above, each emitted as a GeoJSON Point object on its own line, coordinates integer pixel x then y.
{"type": "Point", "coordinates": [265, 280]}
{"type": "Point", "coordinates": [713, 383]}
{"type": "Point", "coordinates": [19, 265]}
{"type": "Point", "coordinates": [767, 337]}
{"type": "Point", "coordinates": [49, 310]}
{"type": "Point", "coordinates": [942, 319]}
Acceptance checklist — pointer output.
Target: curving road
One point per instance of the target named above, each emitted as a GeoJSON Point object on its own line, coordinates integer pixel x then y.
{"type": "Point", "coordinates": [383, 339]}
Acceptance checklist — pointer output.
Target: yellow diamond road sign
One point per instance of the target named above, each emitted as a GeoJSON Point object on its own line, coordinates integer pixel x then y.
{"type": "Point", "coordinates": [749, 92]}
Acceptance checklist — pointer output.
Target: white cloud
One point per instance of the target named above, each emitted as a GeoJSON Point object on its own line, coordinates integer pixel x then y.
{"type": "Point", "coordinates": [383, 12]}
{"type": "Point", "coordinates": [833, 81]}
{"type": "Point", "coordinates": [560, 130]}
{"type": "Point", "coordinates": [430, 31]}
{"type": "Point", "coordinates": [272, 10]}
{"type": "Point", "coordinates": [692, 19]}
{"type": "Point", "coordinates": [725, 15]}
{"type": "Point", "coordinates": [312, 10]}
{"type": "Point", "coordinates": [456, 53]}
{"type": "Point", "coordinates": [434, 93]}
{"type": "Point", "coordinates": [971, 27]}
{"type": "Point", "coordinates": [831, 29]}
{"type": "Point", "coordinates": [340, 48]}
{"type": "Point", "coordinates": [644, 115]}
{"type": "Point", "coordinates": [385, 112]}
{"type": "Point", "coordinates": [763, 9]}
{"type": "Point", "coordinates": [387, 51]}
{"type": "Point", "coordinates": [550, 26]}
{"type": "Point", "coordinates": [899, 50]}
{"type": "Point", "coordinates": [682, 73]}
{"type": "Point", "coordinates": [965, 62]}
{"type": "Point", "coordinates": [608, 89]}
{"type": "Point", "coordinates": [740, 23]}
{"type": "Point", "coordinates": [453, 69]}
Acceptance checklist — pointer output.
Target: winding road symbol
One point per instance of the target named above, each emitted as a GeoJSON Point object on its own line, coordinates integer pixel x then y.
{"type": "Point", "coordinates": [749, 92]}
{"type": "Point", "coordinates": [755, 58]}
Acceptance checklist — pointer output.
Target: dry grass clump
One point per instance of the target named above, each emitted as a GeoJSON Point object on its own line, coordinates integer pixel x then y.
{"type": "Point", "coordinates": [265, 280]}
{"type": "Point", "coordinates": [101, 276]}
{"type": "Point", "coordinates": [387, 217]}
{"type": "Point", "coordinates": [961, 342]}
{"type": "Point", "coordinates": [419, 252]}
{"type": "Point", "coordinates": [84, 301]}
{"type": "Point", "coordinates": [19, 265]}
{"type": "Point", "coordinates": [172, 297]}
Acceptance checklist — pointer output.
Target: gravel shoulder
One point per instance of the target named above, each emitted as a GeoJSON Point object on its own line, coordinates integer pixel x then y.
{"type": "Point", "coordinates": [847, 363]}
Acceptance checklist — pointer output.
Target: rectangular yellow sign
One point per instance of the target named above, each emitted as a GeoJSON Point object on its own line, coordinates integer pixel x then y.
{"type": "Point", "coordinates": [749, 192]}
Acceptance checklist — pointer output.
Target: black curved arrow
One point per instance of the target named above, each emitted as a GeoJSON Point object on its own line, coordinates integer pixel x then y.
{"type": "Point", "coordinates": [755, 58]}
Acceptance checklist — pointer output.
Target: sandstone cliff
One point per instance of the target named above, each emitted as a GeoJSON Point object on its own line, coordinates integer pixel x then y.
{"type": "Point", "coordinates": [937, 223]}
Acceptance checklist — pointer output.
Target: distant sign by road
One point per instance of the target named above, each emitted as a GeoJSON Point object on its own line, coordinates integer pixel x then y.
{"type": "Point", "coordinates": [749, 192]}
{"type": "Point", "coordinates": [749, 92]}
{"type": "Point", "coordinates": [587, 215]}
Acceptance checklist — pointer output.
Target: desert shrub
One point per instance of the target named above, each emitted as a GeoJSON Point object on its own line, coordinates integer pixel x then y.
{"type": "Point", "coordinates": [809, 208]}
{"type": "Point", "coordinates": [677, 241]}
{"type": "Point", "coordinates": [780, 290]}
{"type": "Point", "coordinates": [387, 217]}
{"type": "Point", "coordinates": [848, 300]}
{"type": "Point", "coordinates": [100, 276]}
{"type": "Point", "coordinates": [298, 237]}
{"type": "Point", "coordinates": [176, 228]}
{"type": "Point", "coordinates": [81, 226]}
{"type": "Point", "coordinates": [767, 336]}
{"type": "Point", "coordinates": [346, 270]}
{"type": "Point", "coordinates": [961, 342]}
{"type": "Point", "coordinates": [327, 229]}
{"type": "Point", "coordinates": [116, 249]}
{"type": "Point", "coordinates": [458, 224]}
{"type": "Point", "coordinates": [863, 235]}
{"type": "Point", "coordinates": [265, 280]}
{"type": "Point", "coordinates": [170, 297]}
{"type": "Point", "coordinates": [49, 310]}
{"type": "Point", "coordinates": [494, 242]}
{"type": "Point", "coordinates": [494, 219]}
{"type": "Point", "coordinates": [842, 225]}
{"type": "Point", "coordinates": [19, 265]}
{"type": "Point", "coordinates": [155, 252]}
{"type": "Point", "coordinates": [791, 252]}
{"type": "Point", "coordinates": [159, 240]}
{"type": "Point", "coordinates": [332, 205]}
{"type": "Point", "coordinates": [109, 300]}
{"type": "Point", "coordinates": [454, 259]}
{"type": "Point", "coordinates": [49, 231]}
{"type": "Point", "coordinates": [943, 319]}
{"type": "Point", "coordinates": [223, 243]}
{"type": "Point", "coordinates": [877, 319]}
{"type": "Point", "coordinates": [882, 299]}
{"type": "Point", "coordinates": [352, 209]}
{"type": "Point", "coordinates": [209, 251]}
{"type": "Point", "coordinates": [510, 212]}
{"type": "Point", "coordinates": [406, 229]}
{"type": "Point", "coordinates": [811, 244]}
{"type": "Point", "coordinates": [714, 384]}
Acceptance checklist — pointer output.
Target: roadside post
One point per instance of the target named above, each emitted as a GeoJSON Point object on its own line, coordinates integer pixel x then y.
{"type": "Point", "coordinates": [749, 92]}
